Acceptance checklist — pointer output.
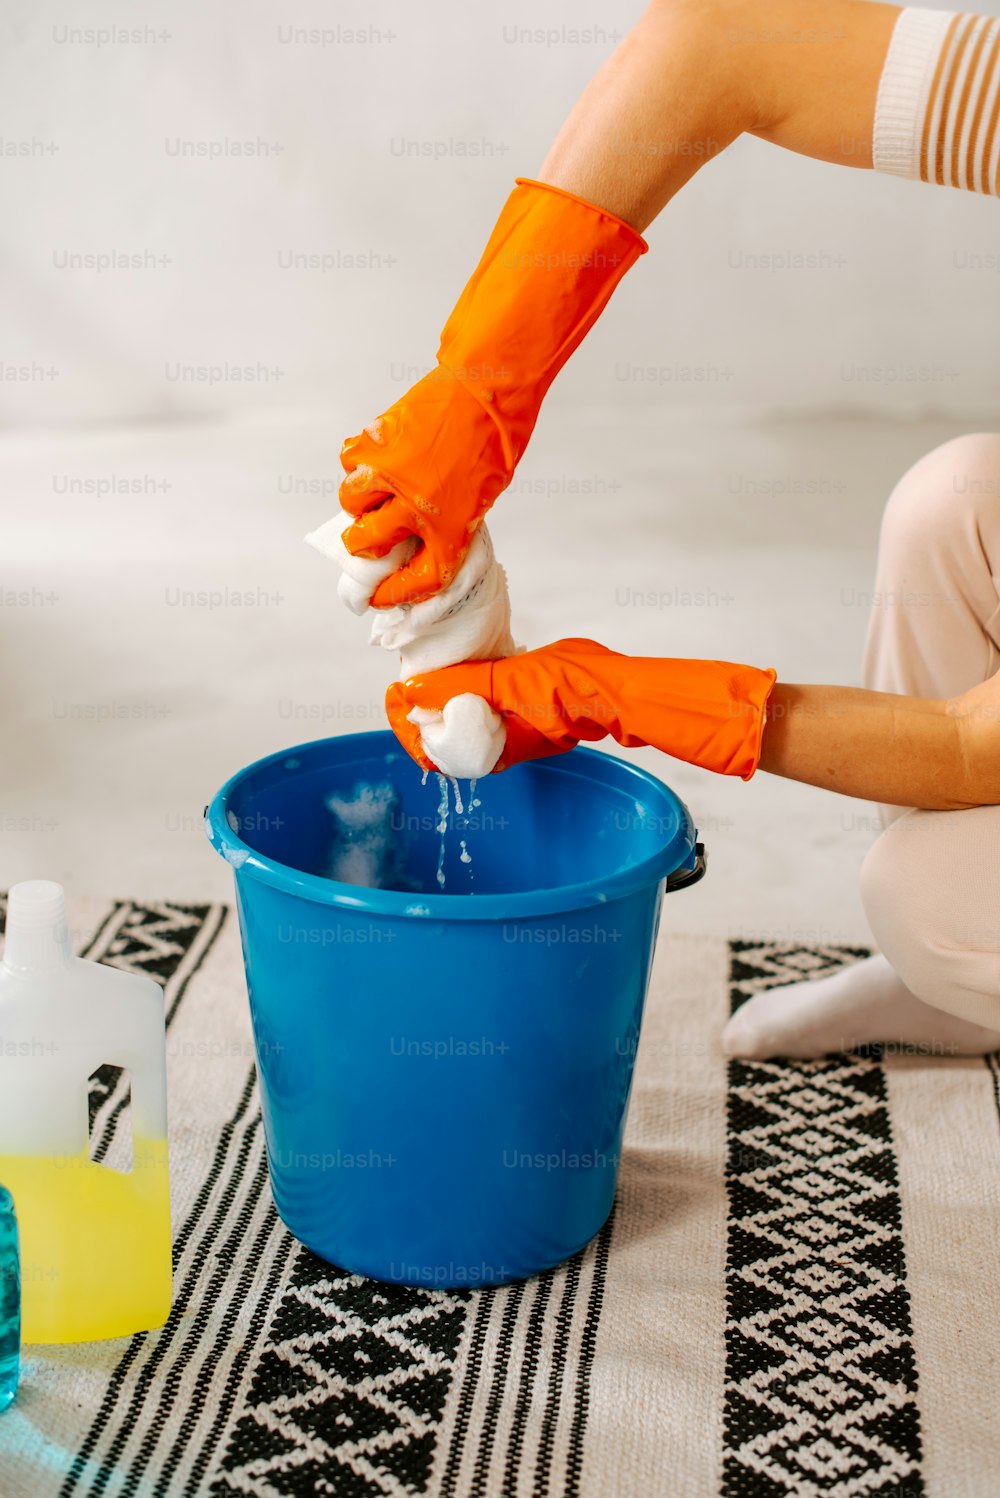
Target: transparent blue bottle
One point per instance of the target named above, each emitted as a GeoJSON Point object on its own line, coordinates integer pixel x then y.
{"type": "Point", "coordinates": [10, 1300]}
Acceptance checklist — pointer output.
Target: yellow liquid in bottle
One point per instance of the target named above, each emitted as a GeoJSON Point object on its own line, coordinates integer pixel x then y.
{"type": "Point", "coordinates": [95, 1243]}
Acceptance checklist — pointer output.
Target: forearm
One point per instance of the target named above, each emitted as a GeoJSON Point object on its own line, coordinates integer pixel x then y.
{"type": "Point", "coordinates": [695, 74]}
{"type": "Point", "coordinates": [904, 751]}
{"type": "Point", "coordinates": [729, 718]}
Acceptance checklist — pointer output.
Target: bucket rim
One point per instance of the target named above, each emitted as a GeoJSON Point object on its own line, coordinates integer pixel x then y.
{"type": "Point", "coordinates": [678, 851]}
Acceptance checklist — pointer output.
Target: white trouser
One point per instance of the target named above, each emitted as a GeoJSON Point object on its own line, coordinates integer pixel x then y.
{"type": "Point", "coordinates": [931, 883]}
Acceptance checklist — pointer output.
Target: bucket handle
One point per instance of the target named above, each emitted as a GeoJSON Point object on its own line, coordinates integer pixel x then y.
{"type": "Point", "coordinates": [683, 878]}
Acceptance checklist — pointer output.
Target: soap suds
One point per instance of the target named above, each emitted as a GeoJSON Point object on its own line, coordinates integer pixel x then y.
{"type": "Point", "coordinates": [368, 849]}
{"type": "Point", "coordinates": [365, 852]}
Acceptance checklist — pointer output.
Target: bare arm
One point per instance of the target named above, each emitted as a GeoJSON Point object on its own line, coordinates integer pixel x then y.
{"type": "Point", "coordinates": [690, 78]}
{"type": "Point", "coordinates": [905, 751]}
{"type": "Point", "coordinates": [695, 74]}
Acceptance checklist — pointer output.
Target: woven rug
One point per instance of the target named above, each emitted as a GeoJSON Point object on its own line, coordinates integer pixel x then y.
{"type": "Point", "coordinates": [797, 1291]}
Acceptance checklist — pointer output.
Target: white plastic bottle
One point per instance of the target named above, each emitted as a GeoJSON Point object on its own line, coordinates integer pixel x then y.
{"type": "Point", "coordinates": [95, 1242]}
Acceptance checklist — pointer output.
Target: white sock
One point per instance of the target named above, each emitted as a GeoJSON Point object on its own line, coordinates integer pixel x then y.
{"type": "Point", "coordinates": [857, 1005]}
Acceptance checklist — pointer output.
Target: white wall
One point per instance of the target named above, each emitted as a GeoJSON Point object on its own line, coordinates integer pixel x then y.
{"type": "Point", "coordinates": [100, 126]}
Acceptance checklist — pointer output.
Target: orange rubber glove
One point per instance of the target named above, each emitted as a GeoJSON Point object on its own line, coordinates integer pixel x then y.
{"type": "Point", "coordinates": [432, 464]}
{"type": "Point", "coordinates": [710, 713]}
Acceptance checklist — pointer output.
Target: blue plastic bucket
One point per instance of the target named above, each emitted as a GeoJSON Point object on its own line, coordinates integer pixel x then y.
{"type": "Point", "coordinates": [445, 1076]}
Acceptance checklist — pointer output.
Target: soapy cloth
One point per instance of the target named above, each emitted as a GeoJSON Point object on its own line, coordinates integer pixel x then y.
{"type": "Point", "coordinates": [468, 620]}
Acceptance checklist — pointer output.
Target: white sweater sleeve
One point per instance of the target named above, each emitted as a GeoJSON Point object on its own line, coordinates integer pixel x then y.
{"type": "Point", "coordinates": [937, 117]}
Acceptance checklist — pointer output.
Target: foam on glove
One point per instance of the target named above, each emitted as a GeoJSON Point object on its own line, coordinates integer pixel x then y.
{"type": "Point", "coordinates": [468, 620]}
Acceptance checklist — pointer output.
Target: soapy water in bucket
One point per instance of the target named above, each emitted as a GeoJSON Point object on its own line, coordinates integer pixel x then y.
{"type": "Point", "coordinates": [369, 844]}
{"type": "Point", "coordinates": [367, 851]}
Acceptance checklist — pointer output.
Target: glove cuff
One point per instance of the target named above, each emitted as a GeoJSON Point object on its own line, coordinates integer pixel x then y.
{"type": "Point", "coordinates": [574, 197]}
{"type": "Point", "coordinates": [551, 263]}
{"type": "Point", "coordinates": [757, 689]}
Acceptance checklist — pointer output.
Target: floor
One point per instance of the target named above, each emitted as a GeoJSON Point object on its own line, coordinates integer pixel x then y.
{"type": "Point", "coordinates": [163, 625]}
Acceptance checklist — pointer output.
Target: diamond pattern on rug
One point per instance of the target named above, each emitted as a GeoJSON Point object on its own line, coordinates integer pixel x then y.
{"type": "Point", "coordinates": [348, 1391]}
{"type": "Point", "coordinates": [768, 965]}
{"type": "Point", "coordinates": [152, 938]}
{"type": "Point", "coordinates": [820, 1394]}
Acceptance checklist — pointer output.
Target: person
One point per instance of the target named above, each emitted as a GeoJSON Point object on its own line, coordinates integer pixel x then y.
{"type": "Point", "coordinates": [910, 92]}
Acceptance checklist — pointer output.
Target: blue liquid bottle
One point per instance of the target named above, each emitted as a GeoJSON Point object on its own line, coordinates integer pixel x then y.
{"type": "Point", "coordinates": [10, 1300]}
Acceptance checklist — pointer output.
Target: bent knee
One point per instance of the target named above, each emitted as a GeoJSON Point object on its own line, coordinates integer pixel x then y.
{"type": "Point", "coordinates": [937, 925]}
{"type": "Point", "coordinates": [943, 488]}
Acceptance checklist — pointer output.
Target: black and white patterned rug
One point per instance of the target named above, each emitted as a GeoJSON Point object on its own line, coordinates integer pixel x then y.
{"type": "Point", "coordinates": [821, 1377]}
{"type": "Point", "coordinates": [795, 1293]}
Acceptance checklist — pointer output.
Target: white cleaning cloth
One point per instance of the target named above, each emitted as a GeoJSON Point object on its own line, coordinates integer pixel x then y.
{"type": "Point", "coordinates": [359, 576]}
{"type": "Point", "coordinates": [468, 620]}
{"type": "Point", "coordinates": [465, 740]}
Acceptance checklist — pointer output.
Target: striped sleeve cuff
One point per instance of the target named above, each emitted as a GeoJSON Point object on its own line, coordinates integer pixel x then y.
{"type": "Point", "coordinates": [937, 116]}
